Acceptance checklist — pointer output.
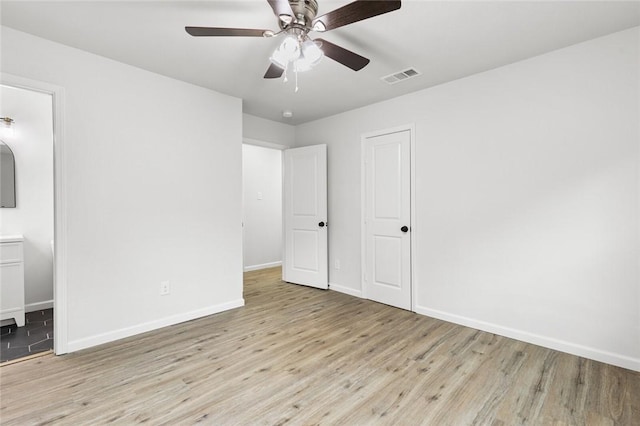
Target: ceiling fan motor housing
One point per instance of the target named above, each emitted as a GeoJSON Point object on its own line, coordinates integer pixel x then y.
{"type": "Point", "coordinates": [304, 11]}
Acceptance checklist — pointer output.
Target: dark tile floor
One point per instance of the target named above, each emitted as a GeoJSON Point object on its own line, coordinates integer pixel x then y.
{"type": "Point", "coordinates": [36, 336]}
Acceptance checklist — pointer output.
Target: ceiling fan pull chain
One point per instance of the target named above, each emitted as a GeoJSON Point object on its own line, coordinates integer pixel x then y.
{"type": "Point", "coordinates": [286, 67]}
{"type": "Point", "coordinates": [296, 72]}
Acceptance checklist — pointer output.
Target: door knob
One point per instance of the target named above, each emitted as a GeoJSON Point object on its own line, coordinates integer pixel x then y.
{"type": "Point", "coordinates": [404, 229]}
{"type": "Point", "coordinates": [321, 224]}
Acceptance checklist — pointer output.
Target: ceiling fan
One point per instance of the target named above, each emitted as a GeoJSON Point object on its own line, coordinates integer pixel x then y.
{"type": "Point", "coordinates": [296, 19]}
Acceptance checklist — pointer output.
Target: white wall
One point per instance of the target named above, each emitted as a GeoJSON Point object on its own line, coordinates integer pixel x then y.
{"type": "Point", "coordinates": [258, 129]}
{"type": "Point", "coordinates": [152, 191]}
{"type": "Point", "coordinates": [32, 146]}
{"type": "Point", "coordinates": [262, 206]}
{"type": "Point", "coordinates": [527, 197]}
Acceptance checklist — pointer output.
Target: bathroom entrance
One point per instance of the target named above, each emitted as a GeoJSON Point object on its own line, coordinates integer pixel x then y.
{"type": "Point", "coordinates": [26, 224]}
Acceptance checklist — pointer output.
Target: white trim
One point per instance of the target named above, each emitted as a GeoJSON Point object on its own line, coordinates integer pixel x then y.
{"type": "Point", "coordinates": [536, 339]}
{"type": "Point", "coordinates": [60, 324]}
{"type": "Point", "coordinates": [262, 266]}
{"type": "Point", "coordinates": [363, 212]}
{"type": "Point", "coordinates": [38, 306]}
{"type": "Point", "coordinates": [346, 290]}
{"type": "Point", "coordinates": [413, 222]}
{"type": "Point", "coordinates": [87, 342]}
{"type": "Point", "coordinates": [283, 236]}
{"type": "Point", "coordinates": [411, 127]}
{"type": "Point", "coordinates": [265, 144]}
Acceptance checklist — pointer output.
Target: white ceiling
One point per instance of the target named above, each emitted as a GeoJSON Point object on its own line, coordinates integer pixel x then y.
{"type": "Point", "coordinates": [444, 40]}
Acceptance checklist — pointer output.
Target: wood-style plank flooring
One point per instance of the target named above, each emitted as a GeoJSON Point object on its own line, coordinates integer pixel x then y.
{"type": "Point", "coordinates": [298, 355]}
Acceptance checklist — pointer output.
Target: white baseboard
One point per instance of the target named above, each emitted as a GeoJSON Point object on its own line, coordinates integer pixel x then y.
{"type": "Point", "coordinates": [346, 290]}
{"type": "Point", "coordinates": [536, 339]}
{"type": "Point", "coordinates": [87, 342]}
{"type": "Point", "coordinates": [262, 266]}
{"type": "Point", "coordinates": [38, 306]}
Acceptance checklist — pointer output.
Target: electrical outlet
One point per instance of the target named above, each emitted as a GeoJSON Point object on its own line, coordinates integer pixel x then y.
{"type": "Point", "coordinates": [165, 288]}
{"type": "Point", "coordinates": [336, 264]}
{"type": "Point", "coordinates": [259, 195]}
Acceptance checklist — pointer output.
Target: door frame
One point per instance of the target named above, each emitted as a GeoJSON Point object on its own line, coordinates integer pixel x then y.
{"type": "Point", "coordinates": [411, 128]}
{"type": "Point", "coordinates": [60, 295]}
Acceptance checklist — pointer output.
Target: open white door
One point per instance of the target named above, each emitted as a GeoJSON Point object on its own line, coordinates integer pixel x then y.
{"type": "Point", "coordinates": [387, 218]}
{"type": "Point", "coordinates": [305, 216]}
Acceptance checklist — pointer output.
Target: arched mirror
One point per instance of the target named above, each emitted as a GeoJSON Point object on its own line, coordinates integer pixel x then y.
{"type": "Point", "coordinates": [7, 176]}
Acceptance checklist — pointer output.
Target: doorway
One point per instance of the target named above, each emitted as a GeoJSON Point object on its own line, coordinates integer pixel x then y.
{"type": "Point", "coordinates": [28, 225]}
{"type": "Point", "coordinates": [262, 206]}
{"type": "Point", "coordinates": [275, 211]}
{"type": "Point", "coordinates": [387, 195]}
{"type": "Point", "coordinates": [60, 205]}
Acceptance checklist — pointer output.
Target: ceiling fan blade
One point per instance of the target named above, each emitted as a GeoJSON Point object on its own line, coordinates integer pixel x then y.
{"type": "Point", "coordinates": [281, 7]}
{"type": "Point", "coordinates": [354, 12]}
{"type": "Point", "coordinates": [342, 55]}
{"type": "Point", "coordinates": [274, 71]}
{"type": "Point", "coordinates": [224, 32]}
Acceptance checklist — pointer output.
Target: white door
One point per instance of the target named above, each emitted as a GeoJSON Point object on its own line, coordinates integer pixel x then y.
{"type": "Point", "coordinates": [305, 216]}
{"type": "Point", "coordinates": [387, 218]}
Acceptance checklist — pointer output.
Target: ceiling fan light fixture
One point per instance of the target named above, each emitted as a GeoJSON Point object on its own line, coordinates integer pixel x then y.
{"type": "Point", "coordinates": [288, 51]}
{"type": "Point", "coordinates": [312, 52]}
{"type": "Point", "coordinates": [291, 48]}
{"type": "Point", "coordinates": [311, 56]}
{"type": "Point", "coordinates": [301, 65]}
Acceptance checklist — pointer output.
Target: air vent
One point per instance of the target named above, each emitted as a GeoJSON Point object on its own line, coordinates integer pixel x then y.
{"type": "Point", "coordinates": [400, 76]}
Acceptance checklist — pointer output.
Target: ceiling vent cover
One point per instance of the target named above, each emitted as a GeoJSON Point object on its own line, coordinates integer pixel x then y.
{"type": "Point", "coordinates": [400, 76]}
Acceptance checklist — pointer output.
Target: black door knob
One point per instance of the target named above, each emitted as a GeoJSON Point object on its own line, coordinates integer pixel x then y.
{"type": "Point", "coordinates": [404, 229]}
{"type": "Point", "coordinates": [321, 224]}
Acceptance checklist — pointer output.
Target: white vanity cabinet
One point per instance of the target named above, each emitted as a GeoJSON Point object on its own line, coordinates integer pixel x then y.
{"type": "Point", "coordinates": [12, 278]}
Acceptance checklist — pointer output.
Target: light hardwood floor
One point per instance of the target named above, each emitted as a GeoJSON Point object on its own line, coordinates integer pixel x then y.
{"type": "Point", "coordinates": [304, 356]}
